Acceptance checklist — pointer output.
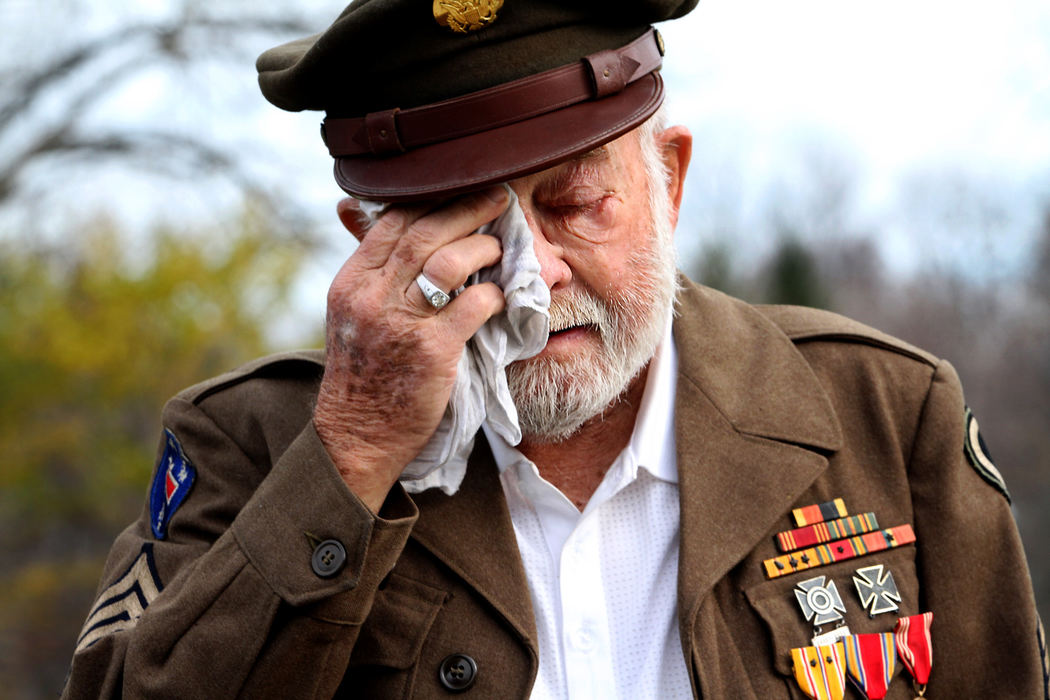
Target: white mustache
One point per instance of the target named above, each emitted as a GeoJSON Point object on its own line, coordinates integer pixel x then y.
{"type": "Point", "coordinates": [577, 309]}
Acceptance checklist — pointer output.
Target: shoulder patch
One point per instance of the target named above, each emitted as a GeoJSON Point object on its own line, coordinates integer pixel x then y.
{"type": "Point", "coordinates": [120, 606]}
{"type": "Point", "coordinates": [977, 453]}
{"type": "Point", "coordinates": [171, 485]}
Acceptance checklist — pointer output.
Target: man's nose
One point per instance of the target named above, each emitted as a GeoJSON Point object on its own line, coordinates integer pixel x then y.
{"type": "Point", "coordinates": [553, 268]}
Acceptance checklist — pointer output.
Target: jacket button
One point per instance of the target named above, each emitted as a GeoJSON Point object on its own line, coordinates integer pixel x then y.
{"type": "Point", "coordinates": [458, 672]}
{"type": "Point", "coordinates": [328, 558]}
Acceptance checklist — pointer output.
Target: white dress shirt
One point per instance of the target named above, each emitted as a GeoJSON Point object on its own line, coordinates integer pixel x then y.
{"type": "Point", "coordinates": [604, 581]}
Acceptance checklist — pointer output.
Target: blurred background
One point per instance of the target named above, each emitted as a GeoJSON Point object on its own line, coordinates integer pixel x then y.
{"type": "Point", "coordinates": [160, 223]}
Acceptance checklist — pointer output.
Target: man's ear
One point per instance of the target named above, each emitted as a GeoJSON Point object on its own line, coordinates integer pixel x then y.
{"type": "Point", "coordinates": [676, 147]}
{"type": "Point", "coordinates": [351, 216]}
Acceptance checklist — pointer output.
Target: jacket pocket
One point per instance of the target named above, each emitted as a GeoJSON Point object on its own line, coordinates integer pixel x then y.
{"type": "Point", "coordinates": [401, 617]}
{"type": "Point", "coordinates": [777, 604]}
{"type": "Point", "coordinates": [384, 660]}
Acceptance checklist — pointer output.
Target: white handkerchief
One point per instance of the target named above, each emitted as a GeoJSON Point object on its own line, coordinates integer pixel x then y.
{"type": "Point", "coordinates": [480, 392]}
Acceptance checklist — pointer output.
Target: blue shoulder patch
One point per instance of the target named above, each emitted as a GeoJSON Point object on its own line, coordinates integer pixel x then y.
{"type": "Point", "coordinates": [171, 485]}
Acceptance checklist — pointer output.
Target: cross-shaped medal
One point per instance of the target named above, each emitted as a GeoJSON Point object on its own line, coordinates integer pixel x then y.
{"type": "Point", "coordinates": [877, 590]}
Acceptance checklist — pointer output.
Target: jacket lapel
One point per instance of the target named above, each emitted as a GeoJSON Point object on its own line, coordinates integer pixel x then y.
{"type": "Point", "coordinates": [753, 431]}
{"type": "Point", "coordinates": [472, 534]}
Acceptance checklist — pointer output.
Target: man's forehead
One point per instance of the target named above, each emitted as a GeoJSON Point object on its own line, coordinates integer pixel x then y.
{"type": "Point", "coordinates": [590, 161]}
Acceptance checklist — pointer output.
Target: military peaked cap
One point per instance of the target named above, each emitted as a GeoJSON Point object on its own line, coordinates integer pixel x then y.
{"type": "Point", "coordinates": [426, 99]}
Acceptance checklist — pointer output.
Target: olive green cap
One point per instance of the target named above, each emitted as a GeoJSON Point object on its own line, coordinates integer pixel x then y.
{"type": "Point", "coordinates": [382, 59]}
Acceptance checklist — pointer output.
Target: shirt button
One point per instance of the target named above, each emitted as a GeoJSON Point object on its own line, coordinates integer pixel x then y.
{"type": "Point", "coordinates": [583, 640]}
{"type": "Point", "coordinates": [328, 558]}
{"type": "Point", "coordinates": [458, 672]}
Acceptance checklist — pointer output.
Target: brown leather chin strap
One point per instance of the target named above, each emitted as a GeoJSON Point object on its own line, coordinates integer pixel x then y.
{"type": "Point", "coordinates": [395, 131]}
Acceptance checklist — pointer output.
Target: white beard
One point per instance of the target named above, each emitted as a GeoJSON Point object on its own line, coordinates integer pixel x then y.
{"type": "Point", "coordinates": [555, 398]}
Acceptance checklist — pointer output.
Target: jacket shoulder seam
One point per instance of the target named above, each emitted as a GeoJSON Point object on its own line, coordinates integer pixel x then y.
{"type": "Point", "coordinates": [199, 392]}
{"type": "Point", "coordinates": [805, 325]}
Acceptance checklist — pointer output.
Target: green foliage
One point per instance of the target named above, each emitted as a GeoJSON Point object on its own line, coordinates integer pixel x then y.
{"type": "Point", "coordinates": [794, 278]}
{"type": "Point", "coordinates": [93, 342]}
{"type": "Point", "coordinates": [791, 275]}
{"type": "Point", "coordinates": [715, 268]}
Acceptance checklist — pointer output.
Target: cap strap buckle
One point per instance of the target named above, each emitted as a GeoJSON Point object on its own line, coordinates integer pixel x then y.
{"type": "Point", "coordinates": [381, 132]}
{"type": "Point", "coordinates": [610, 71]}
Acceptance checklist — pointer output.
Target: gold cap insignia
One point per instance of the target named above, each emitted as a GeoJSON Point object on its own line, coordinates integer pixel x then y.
{"type": "Point", "coordinates": [462, 16]}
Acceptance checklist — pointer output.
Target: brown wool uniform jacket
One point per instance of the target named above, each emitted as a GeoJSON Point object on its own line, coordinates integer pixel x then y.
{"type": "Point", "coordinates": [776, 408]}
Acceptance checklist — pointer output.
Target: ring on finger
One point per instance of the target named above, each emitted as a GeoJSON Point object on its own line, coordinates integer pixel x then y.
{"type": "Point", "coordinates": [434, 295]}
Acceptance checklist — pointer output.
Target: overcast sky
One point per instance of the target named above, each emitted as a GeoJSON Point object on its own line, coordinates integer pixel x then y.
{"type": "Point", "coordinates": [892, 90]}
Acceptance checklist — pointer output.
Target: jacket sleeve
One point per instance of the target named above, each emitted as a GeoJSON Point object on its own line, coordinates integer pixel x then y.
{"type": "Point", "coordinates": [227, 603]}
{"type": "Point", "coordinates": [985, 627]}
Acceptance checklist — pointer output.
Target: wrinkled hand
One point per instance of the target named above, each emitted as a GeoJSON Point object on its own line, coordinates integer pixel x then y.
{"type": "Point", "coordinates": [391, 357]}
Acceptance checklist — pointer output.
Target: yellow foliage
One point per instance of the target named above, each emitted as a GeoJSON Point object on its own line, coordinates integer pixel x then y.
{"type": "Point", "coordinates": [91, 345]}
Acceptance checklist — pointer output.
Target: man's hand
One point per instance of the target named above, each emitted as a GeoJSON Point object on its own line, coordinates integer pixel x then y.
{"type": "Point", "coordinates": [391, 356]}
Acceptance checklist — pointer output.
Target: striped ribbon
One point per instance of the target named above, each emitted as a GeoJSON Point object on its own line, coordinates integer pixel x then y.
{"type": "Point", "coordinates": [871, 661]}
{"type": "Point", "coordinates": [818, 513]}
{"type": "Point", "coordinates": [820, 671]}
{"type": "Point", "coordinates": [915, 645]}
{"type": "Point", "coordinates": [825, 532]}
{"type": "Point", "coordinates": [839, 550]}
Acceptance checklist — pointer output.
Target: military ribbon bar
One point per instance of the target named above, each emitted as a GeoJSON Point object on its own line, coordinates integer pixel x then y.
{"type": "Point", "coordinates": [839, 550]}
{"type": "Point", "coordinates": [915, 647]}
{"type": "Point", "coordinates": [820, 671]}
{"type": "Point", "coordinates": [807, 515]}
{"type": "Point", "coordinates": [817, 533]}
{"type": "Point", "coordinates": [871, 660]}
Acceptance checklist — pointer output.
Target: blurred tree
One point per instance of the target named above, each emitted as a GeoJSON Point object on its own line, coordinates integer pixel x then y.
{"type": "Point", "coordinates": [91, 345]}
{"type": "Point", "coordinates": [714, 268]}
{"type": "Point", "coordinates": [1040, 274]}
{"type": "Point", "coordinates": [146, 93]}
{"type": "Point", "coordinates": [794, 276]}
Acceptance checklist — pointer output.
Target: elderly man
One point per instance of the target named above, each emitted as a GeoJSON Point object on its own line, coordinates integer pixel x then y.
{"type": "Point", "coordinates": [707, 498]}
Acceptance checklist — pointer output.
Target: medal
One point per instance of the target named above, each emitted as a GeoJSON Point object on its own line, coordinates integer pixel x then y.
{"type": "Point", "coordinates": [915, 648]}
{"type": "Point", "coordinates": [877, 590]}
{"type": "Point", "coordinates": [820, 602]}
{"type": "Point", "coordinates": [820, 671]}
{"type": "Point", "coordinates": [871, 660]}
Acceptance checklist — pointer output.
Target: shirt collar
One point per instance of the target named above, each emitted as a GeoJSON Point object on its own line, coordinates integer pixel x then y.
{"type": "Point", "coordinates": [652, 445]}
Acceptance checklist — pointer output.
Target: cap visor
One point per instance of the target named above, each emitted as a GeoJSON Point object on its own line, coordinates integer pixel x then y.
{"type": "Point", "coordinates": [501, 154]}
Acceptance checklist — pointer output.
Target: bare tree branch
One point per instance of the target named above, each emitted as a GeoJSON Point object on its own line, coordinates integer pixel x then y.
{"type": "Point", "coordinates": [85, 75]}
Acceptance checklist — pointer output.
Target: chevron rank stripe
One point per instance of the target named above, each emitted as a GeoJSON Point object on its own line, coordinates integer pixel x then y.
{"type": "Point", "coordinates": [839, 550]}
{"type": "Point", "coordinates": [819, 512]}
{"type": "Point", "coordinates": [810, 535]}
{"type": "Point", "coordinates": [123, 602]}
{"type": "Point", "coordinates": [820, 671]}
{"type": "Point", "coordinates": [871, 660]}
